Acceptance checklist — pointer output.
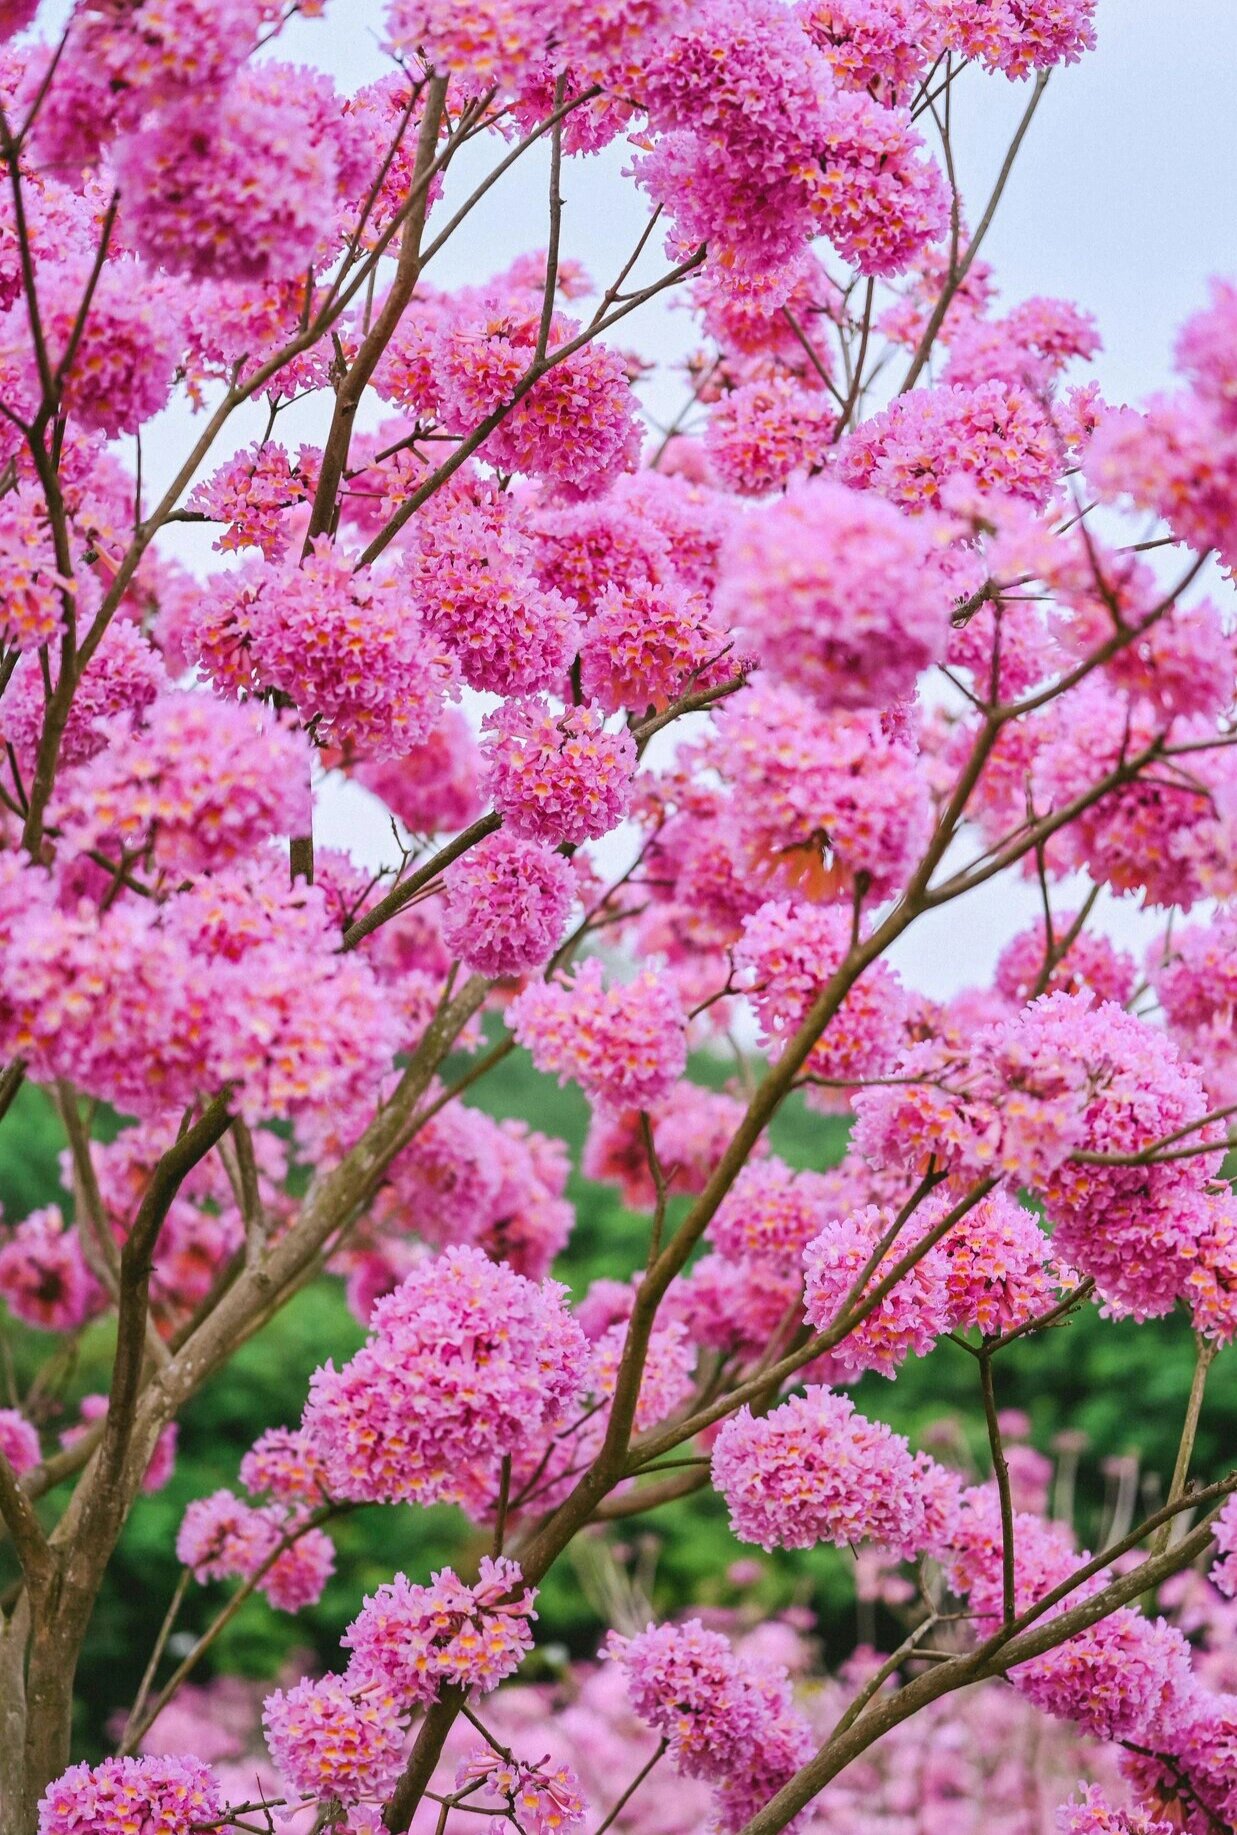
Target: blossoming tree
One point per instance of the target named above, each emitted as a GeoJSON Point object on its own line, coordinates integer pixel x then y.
{"type": "Point", "coordinates": [892, 609]}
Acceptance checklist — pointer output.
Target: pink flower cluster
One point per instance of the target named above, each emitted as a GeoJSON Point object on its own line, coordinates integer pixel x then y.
{"type": "Point", "coordinates": [410, 1642]}
{"type": "Point", "coordinates": [196, 785]}
{"type": "Point", "coordinates": [538, 1800]}
{"type": "Point", "coordinates": [467, 1363]}
{"type": "Point", "coordinates": [648, 643]}
{"type": "Point", "coordinates": [813, 1470]}
{"type": "Point", "coordinates": [767, 431]}
{"type": "Point", "coordinates": [822, 801]}
{"type": "Point", "coordinates": [19, 1441]}
{"type": "Point", "coordinates": [172, 1795]}
{"type": "Point", "coordinates": [236, 981]}
{"type": "Point", "coordinates": [350, 649]}
{"type": "Point", "coordinates": [995, 436]}
{"type": "Point", "coordinates": [250, 494]}
{"type": "Point", "coordinates": [557, 777]}
{"type": "Point", "coordinates": [471, 571]}
{"type": "Point", "coordinates": [839, 593]}
{"type": "Point", "coordinates": [505, 905]}
{"type": "Point", "coordinates": [728, 1719]}
{"type": "Point", "coordinates": [625, 1045]}
{"type": "Point", "coordinates": [223, 1538]}
{"type": "Point", "coordinates": [330, 1740]}
{"type": "Point", "coordinates": [785, 959]}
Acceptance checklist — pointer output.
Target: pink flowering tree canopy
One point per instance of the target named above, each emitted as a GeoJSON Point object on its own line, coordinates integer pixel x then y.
{"type": "Point", "coordinates": [670, 735]}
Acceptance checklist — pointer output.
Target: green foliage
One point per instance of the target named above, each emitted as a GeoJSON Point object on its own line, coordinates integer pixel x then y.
{"type": "Point", "coordinates": [1123, 1386]}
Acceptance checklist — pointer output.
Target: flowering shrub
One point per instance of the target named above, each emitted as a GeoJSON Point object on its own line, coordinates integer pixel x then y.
{"type": "Point", "coordinates": [671, 743]}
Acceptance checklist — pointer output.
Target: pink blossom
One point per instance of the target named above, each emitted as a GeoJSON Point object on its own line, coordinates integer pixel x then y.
{"type": "Point", "coordinates": [625, 1045]}
{"type": "Point", "coordinates": [330, 1740]}
{"type": "Point", "coordinates": [728, 1719]}
{"type": "Point", "coordinates": [412, 1641]}
{"type": "Point", "coordinates": [506, 904]}
{"type": "Point", "coordinates": [839, 593]}
{"type": "Point", "coordinates": [185, 175]}
{"type": "Point", "coordinates": [196, 785]}
{"type": "Point", "coordinates": [767, 431]}
{"type": "Point", "coordinates": [19, 1441]}
{"type": "Point", "coordinates": [813, 1470]}
{"type": "Point", "coordinates": [349, 648]}
{"type": "Point", "coordinates": [1094, 1815]}
{"type": "Point", "coordinates": [911, 1316]}
{"type": "Point", "coordinates": [557, 777]}
{"type": "Point", "coordinates": [784, 960]}
{"type": "Point", "coordinates": [819, 799]}
{"type": "Point", "coordinates": [539, 1800]}
{"type": "Point", "coordinates": [647, 644]}
{"type": "Point", "coordinates": [466, 1363]}
{"type": "Point", "coordinates": [174, 1795]}
{"type": "Point", "coordinates": [44, 1279]}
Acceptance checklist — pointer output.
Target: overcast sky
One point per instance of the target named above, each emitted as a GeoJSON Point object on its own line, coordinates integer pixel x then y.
{"type": "Point", "coordinates": [1123, 200]}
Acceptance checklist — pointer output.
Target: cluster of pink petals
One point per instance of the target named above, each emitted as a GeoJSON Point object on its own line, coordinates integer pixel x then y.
{"type": "Point", "coordinates": [995, 435]}
{"type": "Point", "coordinates": [647, 644]}
{"type": "Point", "coordinates": [760, 152]}
{"type": "Point", "coordinates": [822, 801]}
{"type": "Point", "coordinates": [467, 1363]}
{"type": "Point", "coordinates": [349, 648]}
{"type": "Point", "coordinates": [44, 1277]}
{"type": "Point", "coordinates": [124, 676]}
{"type": "Point", "coordinates": [1018, 36]}
{"type": "Point", "coordinates": [766, 431]}
{"type": "Point", "coordinates": [1179, 457]}
{"type": "Point", "coordinates": [728, 1719]}
{"type": "Point", "coordinates": [236, 981]}
{"type": "Point", "coordinates": [471, 571]}
{"type": "Point", "coordinates": [770, 1212]}
{"type": "Point", "coordinates": [118, 362]}
{"type": "Point", "coordinates": [222, 1538]}
{"type": "Point", "coordinates": [410, 1641]}
{"type": "Point", "coordinates": [1122, 1679]}
{"type": "Point", "coordinates": [538, 1800]}
{"type": "Point", "coordinates": [1194, 973]}
{"type": "Point", "coordinates": [1032, 345]}
{"type": "Point", "coordinates": [466, 1178]}
{"type": "Point", "coordinates": [784, 960]}
{"type": "Point", "coordinates": [172, 1795]}
{"type": "Point", "coordinates": [505, 905]}
{"type": "Point", "coordinates": [249, 494]}
{"type": "Point", "coordinates": [198, 784]}
{"type": "Point", "coordinates": [330, 1740]}
{"type": "Point", "coordinates": [575, 428]}
{"type": "Point", "coordinates": [284, 1463]}
{"type": "Point", "coordinates": [1093, 1814]}
{"type": "Point", "coordinates": [625, 1045]}
{"type": "Point", "coordinates": [885, 43]}
{"type": "Point", "coordinates": [33, 591]}
{"type": "Point", "coordinates": [186, 177]}
{"type": "Point", "coordinates": [910, 1317]}
{"type": "Point", "coordinates": [19, 1441]}
{"type": "Point", "coordinates": [813, 1470]}
{"type": "Point", "coordinates": [557, 777]}
{"type": "Point", "coordinates": [1166, 831]}
{"type": "Point", "coordinates": [839, 594]}
{"type": "Point", "coordinates": [1092, 961]}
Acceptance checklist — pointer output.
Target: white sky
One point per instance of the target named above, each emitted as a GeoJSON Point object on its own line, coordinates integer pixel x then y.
{"type": "Point", "coordinates": [1123, 200]}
